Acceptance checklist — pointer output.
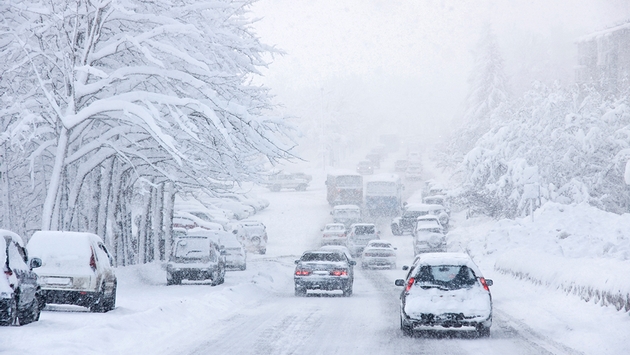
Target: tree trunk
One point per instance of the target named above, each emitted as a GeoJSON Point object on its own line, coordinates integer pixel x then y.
{"type": "Point", "coordinates": [169, 202]}
{"type": "Point", "coordinates": [156, 220]}
{"type": "Point", "coordinates": [55, 180]}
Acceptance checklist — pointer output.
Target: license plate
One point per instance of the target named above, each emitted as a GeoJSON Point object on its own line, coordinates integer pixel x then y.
{"type": "Point", "coordinates": [58, 280]}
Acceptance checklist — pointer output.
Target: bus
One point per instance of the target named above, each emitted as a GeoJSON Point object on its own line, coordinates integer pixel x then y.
{"type": "Point", "coordinates": [383, 195]}
{"type": "Point", "coordinates": [344, 188]}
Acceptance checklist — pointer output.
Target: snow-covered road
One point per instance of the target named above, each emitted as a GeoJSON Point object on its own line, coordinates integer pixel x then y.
{"type": "Point", "coordinates": [255, 311]}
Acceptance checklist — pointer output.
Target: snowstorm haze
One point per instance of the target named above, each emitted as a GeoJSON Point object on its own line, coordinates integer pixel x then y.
{"type": "Point", "coordinates": [358, 68]}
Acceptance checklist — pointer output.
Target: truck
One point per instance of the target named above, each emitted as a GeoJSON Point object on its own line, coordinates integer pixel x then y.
{"type": "Point", "coordinates": [383, 195]}
{"type": "Point", "coordinates": [344, 188]}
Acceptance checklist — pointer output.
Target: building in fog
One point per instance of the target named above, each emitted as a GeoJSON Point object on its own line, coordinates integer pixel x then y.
{"type": "Point", "coordinates": [604, 59]}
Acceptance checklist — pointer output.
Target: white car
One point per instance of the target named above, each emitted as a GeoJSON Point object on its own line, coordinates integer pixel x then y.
{"type": "Point", "coordinates": [379, 253]}
{"type": "Point", "coordinates": [252, 234]}
{"type": "Point", "coordinates": [76, 269]}
{"type": "Point", "coordinates": [359, 235]}
{"type": "Point", "coordinates": [445, 291]}
{"type": "Point", "coordinates": [187, 220]}
{"type": "Point", "coordinates": [346, 214]}
{"type": "Point", "coordinates": [413, 172]}
{"type": "Point", "coordinates": [334, 233]}
{"type": "Point", "coordinates": [235, 253]}
{"type": "Point", "coordinates": [428, 239]}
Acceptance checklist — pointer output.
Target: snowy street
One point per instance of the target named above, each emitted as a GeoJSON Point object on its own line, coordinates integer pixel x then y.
{"type": "Point", "coordinates": [256, 312]}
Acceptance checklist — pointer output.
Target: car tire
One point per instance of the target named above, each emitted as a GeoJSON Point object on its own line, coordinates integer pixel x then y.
{"type": "Point", "coordinates": [347, 292]}
{"type": "Point", "coordinates": [109, 303]}
{"type": "Point", "coordinates": [173, 279]}
{"type": "Point", "coordinates": [406, 329]}
{"type": "Point", "coordinates": [97, 304]}
{"type": "Point", "coordinates": [300, 291]}
{"type": "Point", "coordinates": [215, 278]}
{"type": "Point", "coordinates": [396, 230]}
{"type": "Point", "coordinates": [243, 267]}
{"type": "Point", "coordinates": [11, 314]}
{"type": "Point", "coordinates": [483, 331]}
{"type": "Point", "coordinates": [30, 314]}
{"type": "Point", "coordinates": [262, 251]}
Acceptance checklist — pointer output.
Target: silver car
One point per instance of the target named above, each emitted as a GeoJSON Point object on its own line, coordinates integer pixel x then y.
{"type": "Point", "coordinates": [323, 270]}
{"type": "Point", "coordinates": [195, 256]}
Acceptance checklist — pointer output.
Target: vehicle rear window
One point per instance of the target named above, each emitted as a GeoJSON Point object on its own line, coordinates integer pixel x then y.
{"type": "Point", "coordinates": [192, 248]}
{"type": "Point", "coordinates": [360, 230]}
{"type": "Point", "coordinates": [348, 181]}
{"type": "Point", "coordinates": [322, 257]}
{"type": "Point", "coordinates": [449, 276]}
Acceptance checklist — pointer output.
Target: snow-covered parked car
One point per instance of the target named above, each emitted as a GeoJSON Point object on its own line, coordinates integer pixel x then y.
{"type": "Point", "coordinates": [445, 291]}
{"type": "Point", "coordinates": [428, 239]}
{"type": "Point", "coordinates": [258, 204]}
{"type": "Point", "coordinates": [334, 233]}
{"type": "Point", "coordinates": [359, 235]}
{"type": "Point", "coordinates": [239, 209]}
{"type": "Point", "coordinates": [76, 269]}
{"type": "Point", "coordinates": [187, 220]}
{"type": "Point", "coordinates": [234, 252]}
{"type": "Point", "coordinates": [428, 220]}
{"type": "Point", "coordinates": [252, 235]}
{"type": "Point", "coordinates": [20, 298]}
{"type": "Point", "coordinates": [323, 270]}
{"type": "Point", "coordinates": [346, 214]}
{"type": "Point", "coordinates": [379, 253]}
{"type": "Point", "coordinates": [294, 181]}
{"type": "Point", "coordinates": [195, 256]}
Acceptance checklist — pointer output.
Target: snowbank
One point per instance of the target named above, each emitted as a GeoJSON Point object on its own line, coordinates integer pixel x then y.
{"type": "Point", "coordinates": [576, 248]}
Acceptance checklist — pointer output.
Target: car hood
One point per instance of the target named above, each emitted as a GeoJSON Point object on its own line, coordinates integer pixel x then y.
{"type": "Point", "coordinates": [472, 302]}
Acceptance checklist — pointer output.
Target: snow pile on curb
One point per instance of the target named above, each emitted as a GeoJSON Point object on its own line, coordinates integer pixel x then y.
{"type": "Point", "coordinates": [577, 248]}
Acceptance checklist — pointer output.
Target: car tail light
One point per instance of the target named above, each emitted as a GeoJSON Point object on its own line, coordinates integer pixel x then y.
{"type": "Point", "coordinates": [484, 284]}
{"type": "Point", "coordinates": [93, 261]}
{"type": "Point", "coordinates": [368, 254]}
{"type": "Point", "coordinates": [302, 272]}
{"type": "Point", "coordinates": [8, 272]}
{"type": "Point", "coordinates": [339, 272]}
{"type": "Point", "coordinates": [409, 284]}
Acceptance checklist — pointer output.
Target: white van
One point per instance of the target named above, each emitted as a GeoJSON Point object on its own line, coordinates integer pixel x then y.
{"type": "Point", "coordinates": [76, 269]}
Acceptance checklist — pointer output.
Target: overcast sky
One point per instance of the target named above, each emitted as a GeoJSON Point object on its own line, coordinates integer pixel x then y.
{"type": "Point", "coordinates": [403, 66]}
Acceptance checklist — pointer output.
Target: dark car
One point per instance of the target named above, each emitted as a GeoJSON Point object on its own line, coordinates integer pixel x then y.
{"type": "Point", "coordinates": [323, 270]}
{"type": "Point", "coordinates": [445, 291]}
{"type": "Point", "coordinates": [20, 298]}
{"type": "Point", "coordinates": [407, 221]}
{"type": "Point", "coordinates": [196, 256]}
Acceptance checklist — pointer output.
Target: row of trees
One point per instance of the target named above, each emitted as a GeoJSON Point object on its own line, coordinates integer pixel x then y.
{"type": "Point", "coordinates": [572, 142]}
{"type": "Point", "coordinates": [108, 108]}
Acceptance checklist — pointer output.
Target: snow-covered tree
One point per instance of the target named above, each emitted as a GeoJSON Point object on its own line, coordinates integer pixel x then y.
{"type": "Point", "coordinates": [113, 93]}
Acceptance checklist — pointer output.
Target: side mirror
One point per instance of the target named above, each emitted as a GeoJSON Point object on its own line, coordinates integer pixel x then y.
{"type": "Point", "coordinates": [235, 232]}
{"type": "Point", "coordinates": [297, 261]}
{"type": "Point", "coordinates": [352, 262]}
{"type": "Point", "coordinates": [405, 268]}
{"type": "Point", "coordinates": [395, 248]}
{"type": "Point", "coordinates": [35, 263]}
{"type": "Point", "coordinates": [489, 282]}
{"type": "Point", "coordinates": [399, 282]}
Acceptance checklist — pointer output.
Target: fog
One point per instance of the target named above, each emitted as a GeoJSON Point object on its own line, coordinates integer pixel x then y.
{"type": "Point", "coordinates": [354, 69]}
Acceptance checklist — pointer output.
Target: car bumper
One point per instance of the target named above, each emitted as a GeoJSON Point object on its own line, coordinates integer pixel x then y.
{"type": "Point", "coordinates": [448, 320]}
{"type": "Point", "coordinates": [78, 298]}
{"type": "Point", "coordinates": [376, 261]}
{"type": "Point", "coordinates": [328, 284]}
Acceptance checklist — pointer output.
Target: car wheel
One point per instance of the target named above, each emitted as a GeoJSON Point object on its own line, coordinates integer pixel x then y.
{"type": "Point", "coordinates": [300, 291]}
{"type": "Point", "coordinates": [347, 292]}
{"type": "Point", "coordinates": [406, 329]}
{"type": "Point", "coordinates": [215, 277]}
{"type": "Point", "coordinates": [262, 251]}
{"type": "Point", "coordinates": [97, 304]}
{"type": "Point", "coordinates": [173, 279]}
{"type": "Point", "coordinates": [30, 314]}
{"type": "Point", "coordinates": [243, 267]}
{"type": "Point", "coordinates": [8, 315]}
{"type": "Point", "coordinates": [396, 230]}
{"type": "Point", "coordinates": [483, 331]}
{"type": "Point", "coordinates": [110, 302]}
